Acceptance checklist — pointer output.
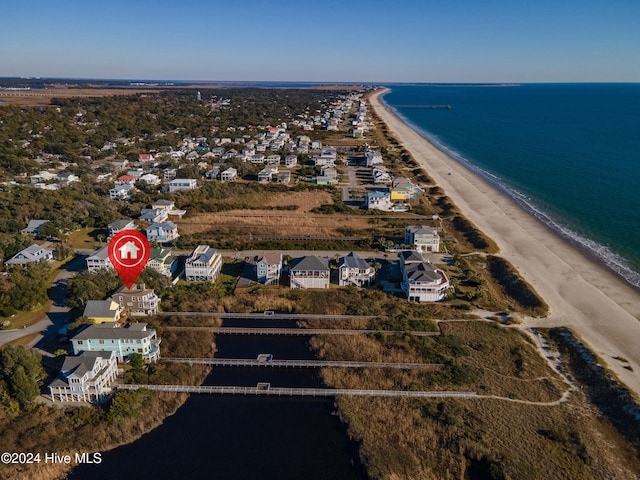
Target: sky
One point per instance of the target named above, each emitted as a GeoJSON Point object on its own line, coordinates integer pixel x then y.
{"type": "Point", "coordinates": [324, 41]}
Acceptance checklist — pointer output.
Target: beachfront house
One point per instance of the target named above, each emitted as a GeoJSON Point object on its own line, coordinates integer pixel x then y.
{"type": "Point", "coordinates": [266, 174]}
{"type": "Point", "coordinates": [269, 267]}
{"type": "Point", "coordinates": [229, 175]}
{"type": "Point", "coordinates": [33, 227]}
{"type": "Point", "coordinates": [203, 265]}
{"type": "Point", "coordinates": [353, 270]}
{"type": "Point", "coordinates": [423, 238]}
{"type": "Point", "coordinates": [290, 160]}
{"type": "Point", "coordinates": [284, 176]}
{"type": "Point", "coordinates": [167, 205]}
{"type": "Point", "coordinates": [309, 272]}
{"type": "Point", "coordinates": [421, 281]}
{"type": "Point", "coordinates": [123, 341]}
{"type": "Point", "coordinates": [379, 201]}
{"type": "Point", "coordinates": [86, 377]}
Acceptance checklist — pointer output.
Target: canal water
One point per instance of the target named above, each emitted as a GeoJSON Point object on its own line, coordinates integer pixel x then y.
{"type": "Point", "coordinates": [229, 437]}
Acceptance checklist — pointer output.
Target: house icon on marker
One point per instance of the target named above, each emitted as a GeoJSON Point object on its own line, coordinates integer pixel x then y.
{"type": "Point", "coordinates": [129, 251]}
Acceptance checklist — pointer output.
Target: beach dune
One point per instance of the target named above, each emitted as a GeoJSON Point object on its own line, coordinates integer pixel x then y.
{"type": "Point", "coordinates": [599, 306]}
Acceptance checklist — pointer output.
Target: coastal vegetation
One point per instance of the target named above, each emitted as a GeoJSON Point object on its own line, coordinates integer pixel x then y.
{"type": "Point", "coordinates": [402, 438]}
{"type": "Point", "coordinates": [604, 390]}
{"type": "Point", "coordinates": [527, 423]}
{"type": "Point", "coordinates": [27, 424]}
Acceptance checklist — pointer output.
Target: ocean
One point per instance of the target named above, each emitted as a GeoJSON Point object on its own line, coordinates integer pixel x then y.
{"type": "Point", "coordinates": [567, 153]}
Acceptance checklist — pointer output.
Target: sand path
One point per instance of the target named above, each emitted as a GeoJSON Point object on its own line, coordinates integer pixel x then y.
{"type": "Point", "coordinates": [599, 306]}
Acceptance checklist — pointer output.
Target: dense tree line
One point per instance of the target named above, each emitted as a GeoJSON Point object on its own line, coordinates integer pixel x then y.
{"type": "Point", "coordinates": [26, 288]}
{"type": "Point", "coordinates": [21, 375]}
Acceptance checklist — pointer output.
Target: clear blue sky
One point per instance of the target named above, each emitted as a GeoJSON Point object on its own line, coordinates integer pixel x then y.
{"type": "Point", "coordinates": [299, 40]}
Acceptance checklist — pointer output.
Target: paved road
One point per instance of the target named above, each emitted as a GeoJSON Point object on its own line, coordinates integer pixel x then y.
{"type": "Point", "coordinates": [58, 313]}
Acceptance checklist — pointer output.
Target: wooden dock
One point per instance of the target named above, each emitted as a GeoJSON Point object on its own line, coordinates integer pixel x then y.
{"type": "Point", "coordinates": [267, 390]}
{"type": "Point", "coordinates": [249, 362]}
{"type": "Point", "coordinates": [298, 331]}
{"type": "Point", "coordinates": [268, 315]}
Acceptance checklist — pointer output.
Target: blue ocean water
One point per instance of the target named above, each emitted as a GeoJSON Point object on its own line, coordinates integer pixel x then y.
{"type": "Point", "coordinates": [568, 153]}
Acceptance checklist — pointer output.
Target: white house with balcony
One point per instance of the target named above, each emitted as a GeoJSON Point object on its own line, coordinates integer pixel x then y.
{"type": "Point", "coordinates": [123, 341]}
{"type": "Point", "coordinates": [423, 238]}
{"type": "Point", "coordinates": [310, 272]}
{"type": "Point", "coordinates": [378, 200]}
{"type": "Point", "coordinates": [85, 378]}
{"type": "Point", "coordinates": [421, 281]}
{"type": "Point", "coordinates": [203, 265]}
{"type": "Point", "coordinates": [228, 175]}
{"type": "Point", "coordinates": [353, 270]}
{"type": "Point", "coordinates": [99, 259]}
{"type": "Point", "coordinates": [153, 215]}
{"type": "Point", "coordinates": [121, 192]}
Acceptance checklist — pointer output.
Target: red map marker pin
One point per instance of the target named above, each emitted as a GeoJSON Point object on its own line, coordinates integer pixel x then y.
{"type": "Point", "coordinates": [129, 251]}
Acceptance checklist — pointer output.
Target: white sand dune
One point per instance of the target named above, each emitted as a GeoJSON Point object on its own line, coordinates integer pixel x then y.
{"type": "Point", "coordinates": [598, 305]}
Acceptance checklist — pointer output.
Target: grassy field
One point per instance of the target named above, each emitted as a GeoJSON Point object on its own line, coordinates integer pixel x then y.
{"type": "Point", "coordinates": [473, 439]}
{"type": "Point", "coordinates": [35, 98]}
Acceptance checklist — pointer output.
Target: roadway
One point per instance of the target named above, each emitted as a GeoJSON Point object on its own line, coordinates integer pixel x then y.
{"type": "Point", "coordinates": [58, 313]}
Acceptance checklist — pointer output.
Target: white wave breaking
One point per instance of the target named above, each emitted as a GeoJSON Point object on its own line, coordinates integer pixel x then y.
{"type": "Point", "coordinates": [592, 248]}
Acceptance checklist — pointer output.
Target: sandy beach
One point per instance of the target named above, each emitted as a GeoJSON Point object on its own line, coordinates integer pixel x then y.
{"type": "Point", "coordinates": [596, 304]}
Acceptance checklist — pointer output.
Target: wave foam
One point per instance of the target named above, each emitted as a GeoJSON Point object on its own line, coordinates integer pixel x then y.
{"type": "Point", "coordinates": [599, 252]}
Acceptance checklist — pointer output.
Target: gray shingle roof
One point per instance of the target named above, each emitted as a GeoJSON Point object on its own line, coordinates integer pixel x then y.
{"type": "Point", "coordinates": [119, 224]}
{"type": "Point", "coordinates": [98, 308]}
{"type": "Point", "coordinates": [411, 256]}
{"type": "Point", "coordinates": [107, 332]}
{"type": "Point", "coordinates": [311, 263]}
{"type": "Point", "coordinates": [354, 261]}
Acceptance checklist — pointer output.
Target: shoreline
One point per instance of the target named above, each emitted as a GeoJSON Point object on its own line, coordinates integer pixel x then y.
{"type": "Point", "coordinates": [599, 306]}
{"type": "Point", "coordinates": [611, 261]}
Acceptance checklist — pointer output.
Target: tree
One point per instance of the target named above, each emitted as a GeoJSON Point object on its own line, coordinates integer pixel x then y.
{"type": "Point", "coordinates": [92, 286]}
{"type": "Point", "coordinates": [27, 287]}
{"type": "Point", "coordinates": [22, 371]}
{"type": "Point", "coordinates": [48, 230]}
{"type": "Point", "coordinates": [63, 251]}
{"type": "Point", "coordinates": [136, 361]}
